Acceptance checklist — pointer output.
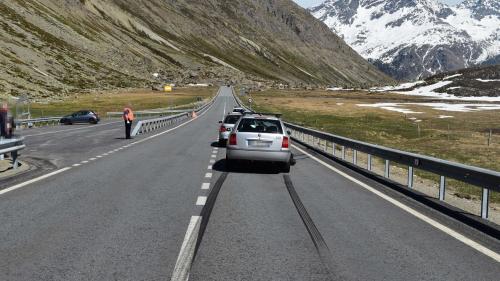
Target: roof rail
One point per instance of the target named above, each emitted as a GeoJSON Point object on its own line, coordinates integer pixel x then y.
{"type": "Point", "coordinates": [278, 115]}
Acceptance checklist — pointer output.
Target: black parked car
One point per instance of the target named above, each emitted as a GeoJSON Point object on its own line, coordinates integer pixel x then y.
{"type": "Point", "coordinates": [83, 116]}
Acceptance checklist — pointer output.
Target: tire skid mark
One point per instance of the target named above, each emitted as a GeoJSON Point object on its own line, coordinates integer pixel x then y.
{"type": "Point", "coordinates": [316, 237]}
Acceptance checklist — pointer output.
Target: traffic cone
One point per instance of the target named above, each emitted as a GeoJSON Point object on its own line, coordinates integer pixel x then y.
{"type": "Point", "coordinates": [194, 115]}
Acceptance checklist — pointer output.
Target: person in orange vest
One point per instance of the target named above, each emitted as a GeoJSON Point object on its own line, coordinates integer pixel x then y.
{"type": "Point", "coordinates": [128, 117]}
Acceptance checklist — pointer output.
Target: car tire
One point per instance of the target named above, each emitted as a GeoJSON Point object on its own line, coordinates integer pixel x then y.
{"type": "Point", "coordinates": [93, 121]}
{"type": "Point", "coordinates": [285, 168]}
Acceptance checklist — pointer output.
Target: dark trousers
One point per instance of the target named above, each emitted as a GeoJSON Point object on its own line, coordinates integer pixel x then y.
{"type": "Point", "coordinates": [128, 127]}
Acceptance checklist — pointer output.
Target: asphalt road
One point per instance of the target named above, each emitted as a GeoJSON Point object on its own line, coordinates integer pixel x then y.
{"type": "Point", "coordinates": [124, 215]}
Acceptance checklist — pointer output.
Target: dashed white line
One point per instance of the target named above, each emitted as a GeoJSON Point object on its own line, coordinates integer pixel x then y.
{"type": "Point", "coordinates": [201, 201]}
{"type": "Point", "coordinates": [92, 159]}
{"type": "Point", "coordinates": [99, 156]}
{"type": "Point", "coordinates": [205, 186]}
{"type": "Point", "coordinates": [186, 254]}
{"type": "Point", "coordinates": [213, 156]}
{"type": "Point", "coordinates": [212, 161]}
{"type": "Point", "coordinates": [209, 167]}
{"type": "Point", "coordinates": [84, 162]}
{"type": "Point", "coordinates": [410, 210]}
{"type": "Point", "coordinates": [76, 165]}
{"type": "Point", "coordinates": [208, 175]}
{"type": "Point", "coordinates": [17, 186]}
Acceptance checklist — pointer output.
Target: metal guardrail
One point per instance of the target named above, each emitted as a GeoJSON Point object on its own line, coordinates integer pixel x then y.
{"type": "Point", "coordinates": [487, 180]}
{"type": "Point", "coordinates": [12, 146]}
{"type": "Point", "coordinates": [29, 123]}
{"type": "Point", "coordinates": [149, 125]}
{"type": "Point", "coordinates": [149, 113]}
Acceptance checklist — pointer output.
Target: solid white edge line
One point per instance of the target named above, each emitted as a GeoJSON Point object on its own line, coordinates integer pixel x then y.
{"type": "Point", "coordinates": [71, 130]}
{"type": "Point", "coordinates": [17, 186]}
{"type": "Point", "coordinates": [434, 223]}
{"type": "Point", "coordinates": [186, 254]}
{"type": "Point", "coordinates": [201, 200]}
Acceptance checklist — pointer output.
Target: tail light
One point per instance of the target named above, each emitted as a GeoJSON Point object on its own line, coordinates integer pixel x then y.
{"type": "Point", "coordinates": [285, 143]}
{"type": "Point", "coordinates": [222, 129]}
{"type": "Point", "coordinates": [232, 139]}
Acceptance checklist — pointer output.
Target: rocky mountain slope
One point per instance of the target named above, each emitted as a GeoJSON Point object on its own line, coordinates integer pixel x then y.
{"type": "Point", "coordinates": [412, 39]}
{"type": "Point", "coordinates": [59, 46]}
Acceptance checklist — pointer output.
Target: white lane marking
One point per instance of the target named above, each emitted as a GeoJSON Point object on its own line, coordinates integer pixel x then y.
{"type": "Point", "coordinates": [443, 228]}
{"type": "Point", "coordinates": [201, 201]}
{"type": "Point", "coordinates": [84, 162]}
{"type": "Point", "coordinates": [208, 175]}
{"type": "Point", "coordinates": [17, 186]}
{"type": "Point", "coordinates": [205, 185]}
{"type": "Point", "coordinates": [99, 156]}
{"type": "Point", "coordinates": [214, 156]}
{"type": "Point", "coordinates": [70, 130]}
{"type": "Point", "coordinates": [212, 161]}
{"type": "Point", "coordinates": [92, 159]}
{"type": "Point", "coordinates": [209, 167]}
{"type": "Point", "coordinates": [186, 254]}
{"type": "Point", "coordinates": [76, 165]}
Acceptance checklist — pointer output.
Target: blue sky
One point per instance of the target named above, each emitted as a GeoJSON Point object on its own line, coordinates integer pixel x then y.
{"type": "Point", "coordinates": [309, 3]}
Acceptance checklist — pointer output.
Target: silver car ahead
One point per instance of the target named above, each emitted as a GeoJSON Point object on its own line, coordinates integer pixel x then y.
{"type": "Point", "coordinates": [259, 138]}
{"type": "Point", "coordinates": [227, 126]}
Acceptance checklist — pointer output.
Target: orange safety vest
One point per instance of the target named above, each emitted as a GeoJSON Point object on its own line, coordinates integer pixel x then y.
{"type": "Point", "coordinates": [128, 114]}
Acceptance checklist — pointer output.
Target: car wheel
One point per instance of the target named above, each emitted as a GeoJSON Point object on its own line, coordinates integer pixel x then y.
{"type": "Point", "coordinates": [93, 121]}
{"type": "Point", "coordinates": [285, 168]}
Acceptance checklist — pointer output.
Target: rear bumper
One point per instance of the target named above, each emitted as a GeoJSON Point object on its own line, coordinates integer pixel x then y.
{"type": "Point", "coordinates": [258, 155]}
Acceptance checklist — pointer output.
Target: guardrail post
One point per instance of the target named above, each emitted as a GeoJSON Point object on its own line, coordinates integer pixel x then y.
{"type": "Point", "coordinates": [387, 172]}
{"type": "Point", "coordinates": [442, 187]}
{"type": "Point", "coordinates": [355, 157]}
{"type": "Point", "coordinates": [326, 146]}
{"type": "Point", "coordinates": [15, 161]}
{"type": "Point", "coordinates": [410, 177]}
{"type": "Point", "coordinates": [343, 152]}
{"type": "Point", "coordinates": [333, 147]}
{"type": "Point", "coordinates": [369, 163]}
{"type": "Point", "coordinates": [485, 201]}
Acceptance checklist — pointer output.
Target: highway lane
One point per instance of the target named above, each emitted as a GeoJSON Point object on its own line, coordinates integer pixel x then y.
{"type": "Point", "coordinates": [124, 217]}
{"type": "Point", "coordinates": [119, 217]}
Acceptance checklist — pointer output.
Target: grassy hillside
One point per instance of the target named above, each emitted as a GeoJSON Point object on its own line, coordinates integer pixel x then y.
{"type": "Point", "coordinates": [60, 46]}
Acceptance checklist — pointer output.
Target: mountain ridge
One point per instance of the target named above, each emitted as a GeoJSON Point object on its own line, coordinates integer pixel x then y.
{"type": "Point", "coordinates": [413, 39]}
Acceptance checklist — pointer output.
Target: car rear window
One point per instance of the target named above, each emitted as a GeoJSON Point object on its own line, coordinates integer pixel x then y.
{"type": "Point", "coordinates": [250, 125]}
{"type": "Point", "coordinates": [231, 119]}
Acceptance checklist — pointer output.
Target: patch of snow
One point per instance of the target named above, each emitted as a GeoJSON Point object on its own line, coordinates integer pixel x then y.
{"type": "Point", "coordinates": [391, 107]}
{"type": "Point", "coordinates": [488, 80]}
{"type": "Point", "coordinates": [403, 86]}
{"type": "Point", "coordinates": [453, 88]}
{"type": "Point", "coordinates": [452, 107]}
{"type": "Point", "coordinates": [428, 91]}
{"type": "Point", "coordinates": [452, 76]}
{"type": "Point", "coordinates": [445, 116]}
{"type": "Point", "coordinates": [338, 89]}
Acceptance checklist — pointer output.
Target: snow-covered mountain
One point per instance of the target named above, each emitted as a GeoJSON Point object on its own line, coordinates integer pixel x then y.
{"type": "Point", "coordinates": [410, 39]}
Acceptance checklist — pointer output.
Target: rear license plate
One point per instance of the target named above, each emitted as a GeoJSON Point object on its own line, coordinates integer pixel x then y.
{"type": "Point", "coordinates": [258, 143]}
